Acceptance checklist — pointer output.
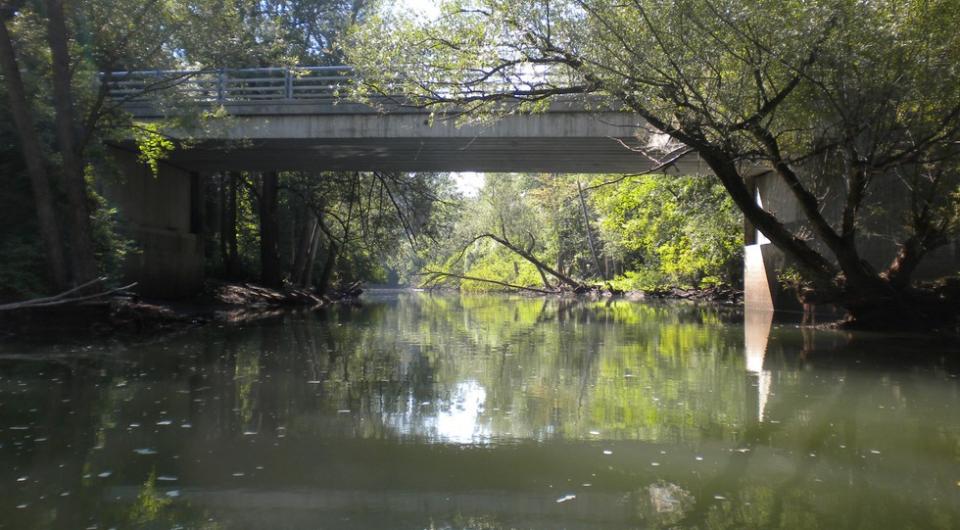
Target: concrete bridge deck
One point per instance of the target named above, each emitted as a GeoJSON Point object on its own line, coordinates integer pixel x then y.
{"type": "Point", "coordinates": [297, 135]}
{"type": "Point", "coordinates": [278, 119]}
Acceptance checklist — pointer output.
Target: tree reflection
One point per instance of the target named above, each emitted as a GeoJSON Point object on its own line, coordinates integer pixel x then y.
{"type": "Point", "coordinates": [485, 412]}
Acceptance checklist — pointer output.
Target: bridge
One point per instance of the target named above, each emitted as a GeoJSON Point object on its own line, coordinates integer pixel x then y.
{"type": "Point", "coordinates": [298, 119]}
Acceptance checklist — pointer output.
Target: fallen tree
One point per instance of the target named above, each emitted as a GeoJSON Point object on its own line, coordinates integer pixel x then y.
{"type": "Point", "coordinates": [65, 297]}
{"type": "Point", "coordinates": [434, 277]}
{"type": "Point", "coordinates": [529, 257]}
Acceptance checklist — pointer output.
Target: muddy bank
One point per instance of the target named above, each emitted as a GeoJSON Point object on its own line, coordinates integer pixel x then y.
{"type": "Point", "coordinates": [719, 295]}
{"type": "Point", "coordinates": [132, 314]}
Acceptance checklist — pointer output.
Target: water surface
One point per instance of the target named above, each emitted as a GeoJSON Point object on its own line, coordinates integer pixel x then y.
{"type": "Point", "coordinates": [418, 411]}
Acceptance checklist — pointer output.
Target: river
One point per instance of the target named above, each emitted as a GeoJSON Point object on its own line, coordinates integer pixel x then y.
{"type": "Point", "coordinates": [440, 411]}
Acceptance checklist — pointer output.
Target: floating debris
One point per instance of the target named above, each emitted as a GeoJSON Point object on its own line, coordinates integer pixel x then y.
{"type": "Point", "coordinates": [173, 493]}
{"type": "Point", "coordinates": [565, 498]}
{"type": "Point", "coordinates": [719, 497]}
{"type": "Point", "coordinates": [167, 478]}
{"type": "Point", "coordinates": [874, 452]}
{"type": "Point", "coordinates": [607, 452]}
{"type": "Point", "coordinates": [105, 474]}
{"type": "Point", "coordinates": [667, 498]}
{"type": "Point", "coordinates": [343, 411]}
{"type": "Point", "coordinates": [698, 458]}
{"type": "Point", "coordinates": [239, 474]}
{"type": "Point", "coordinates": [164, 422]}
{"type": "Point", "coordinates": [145, 451]}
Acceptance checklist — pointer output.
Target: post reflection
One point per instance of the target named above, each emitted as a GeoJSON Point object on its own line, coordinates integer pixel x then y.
{"type": "Point", "coordinates": [757, 324]}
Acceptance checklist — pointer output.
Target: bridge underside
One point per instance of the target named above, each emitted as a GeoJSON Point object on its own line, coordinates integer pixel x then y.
{"type": "Point", "coordinates": [491, 154]}
{"type": "Point", "coordinates": [313, 136]}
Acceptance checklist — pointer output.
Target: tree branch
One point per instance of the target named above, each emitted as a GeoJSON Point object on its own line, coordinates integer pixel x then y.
{"type": "Point", "coordinates": [436, 275]}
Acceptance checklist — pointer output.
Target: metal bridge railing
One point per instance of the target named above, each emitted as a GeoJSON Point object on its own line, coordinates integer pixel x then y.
{"type": "Point", "coordinates": [231, 84]}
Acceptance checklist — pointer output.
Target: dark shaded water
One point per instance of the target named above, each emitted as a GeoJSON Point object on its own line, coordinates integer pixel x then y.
{"type": "Point", "coordinates": [418, 411]}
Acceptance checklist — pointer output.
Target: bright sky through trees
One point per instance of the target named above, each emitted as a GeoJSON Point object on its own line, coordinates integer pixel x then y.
{"type": "Point", "coordinates": [468, 183]}
{"type": "Point", "coordinates": [426, 7]}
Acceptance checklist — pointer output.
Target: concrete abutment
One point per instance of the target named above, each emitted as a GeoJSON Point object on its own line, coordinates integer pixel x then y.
{"type": "Point", "coordinates": [159, 214]}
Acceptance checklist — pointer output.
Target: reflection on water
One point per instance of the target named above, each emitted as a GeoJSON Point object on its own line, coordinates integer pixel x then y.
{"type": "Point", "coordinates": [424, 411]}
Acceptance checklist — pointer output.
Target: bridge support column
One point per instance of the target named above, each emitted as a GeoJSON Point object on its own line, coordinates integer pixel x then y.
{"type": "Point", "coordinates": [762, 261]}
{"type": "Point", "coordinates": [162, 214]}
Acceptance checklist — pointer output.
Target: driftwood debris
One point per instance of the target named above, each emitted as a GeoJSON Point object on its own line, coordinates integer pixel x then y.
{"type": "Point", "coordinates": [65, 297]}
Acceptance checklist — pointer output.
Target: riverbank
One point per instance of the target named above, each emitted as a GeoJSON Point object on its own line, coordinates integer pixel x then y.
{"type": "Point", "coordinates": [718, 295]}
{"type": "Point", "coordinates": [131, 314]}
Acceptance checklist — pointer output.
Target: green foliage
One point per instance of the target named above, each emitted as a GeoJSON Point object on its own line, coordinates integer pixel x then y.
{"type": "Point", "coordinates": [21, 271]}
{"type": "Point", "coordinates": [642, 279]}
{"type": "Point", "coordinates": [248, 230]}
{"type": "Point", "coordinates": [150, 503]}
{"type": "Point", "coordinates": [679, 230]}
{"type": "Point", "coordinates": [494, 263]}
{"type": "Point", "coordinates": [152, 144]}
{"type": "Point", "coordinates": [534, 213]}
{"type": "Point", "coordinates": [112, 246]}
{"type": "Point", "coordinates": [657, 230]}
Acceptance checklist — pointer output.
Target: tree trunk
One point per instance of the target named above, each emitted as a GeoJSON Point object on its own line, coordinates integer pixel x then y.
{"type": "Point", "coordinates": [819, 268]}
{"type": "Point", "coordinates": [82, 253]}
{"type": "Point", "coordinates": [544, 279]}
{"type": "Point", "coordinates": [911, 253]}
{"type": "Point", "coordinates": [602, 271]}
{"type": "Point", "coordinates": [222, 200]}
{"type": "Point", "coordinates": [269, 231]}
{"type": "Point", "coordinates": [536, 262]}
{"type": "Point", "coordinates": [328, 267]}
{"type": "Point", "coordinates": [30, 146]}
{"type": "Point", "coordinates": [312, 257]}
{"type": "Point", "coordinates": [302, 243]}
{"type": "Point", "coordinates": [229, 231]}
